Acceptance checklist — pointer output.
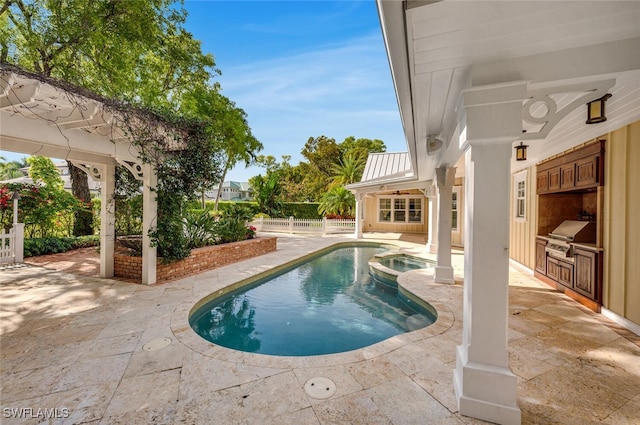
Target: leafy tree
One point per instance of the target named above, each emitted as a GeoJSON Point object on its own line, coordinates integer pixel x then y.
{"type": "Point", "coordinates": [45, 204]}
{"type": "Point", "coordinates": [43, 170]}
{"type": "Point", "coordinates": [338, 201]}
{"type": "Point", "coordinates": [137, 52]}
{"type": "Point", "coordinates": [361, 147]}
{"type": "Point", "coordinates": [229, 128]}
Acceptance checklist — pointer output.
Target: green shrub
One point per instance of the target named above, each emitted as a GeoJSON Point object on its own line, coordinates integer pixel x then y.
{"type": "Point", "coordinates": [304, 210]}
{"type": "Point", "coordinates": [199, 228]}
{"type": "Point", "coordinates": [53, 245]}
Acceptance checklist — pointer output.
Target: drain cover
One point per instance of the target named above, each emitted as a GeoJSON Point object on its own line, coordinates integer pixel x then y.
{"type": "Point", "coordinates": [156, 344]}
{"type": "Point", "coordinates": [320, 387]}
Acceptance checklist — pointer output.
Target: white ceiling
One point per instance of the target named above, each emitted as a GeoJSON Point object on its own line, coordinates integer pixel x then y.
{"type": "Point", "coordinates": [438, 49]}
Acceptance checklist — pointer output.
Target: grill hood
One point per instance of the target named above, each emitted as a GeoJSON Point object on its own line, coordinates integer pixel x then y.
{"type": "Point", "coordinates": [575, 231]}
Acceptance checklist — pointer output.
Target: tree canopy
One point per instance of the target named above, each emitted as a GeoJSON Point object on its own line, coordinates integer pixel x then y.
{"type": "Point", "coordinates": [321, 177]}
{"type": "Point", "coordinates": [139, 53]}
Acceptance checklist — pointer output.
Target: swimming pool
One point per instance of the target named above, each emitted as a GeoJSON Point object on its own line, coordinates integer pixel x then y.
{"type": "Point", "coordinates": [328, 304]}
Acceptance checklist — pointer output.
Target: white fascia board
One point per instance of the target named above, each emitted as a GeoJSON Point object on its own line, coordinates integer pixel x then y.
{"type": "Point", "coordinates": [17, 130]}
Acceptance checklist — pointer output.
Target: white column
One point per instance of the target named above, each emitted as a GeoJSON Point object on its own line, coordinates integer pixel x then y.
{"type": "Point", "coordinates": [444, 179]}
{"type": "Point", "coordinates": [107, 219]}
{"type": "Point", "coordinates": [432, 241]}
{"type": "Point", "coordinates": [18, 242]}
{"type": "Point", "coordinates": [149, 220]}
{"type": "Point", "coordinates": [485, 386]}
{"type": "Point", "coordinates": [359, 214]}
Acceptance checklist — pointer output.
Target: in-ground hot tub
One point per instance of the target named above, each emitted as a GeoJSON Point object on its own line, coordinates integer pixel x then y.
{"type": "Point", "coordinates": [386, 267]}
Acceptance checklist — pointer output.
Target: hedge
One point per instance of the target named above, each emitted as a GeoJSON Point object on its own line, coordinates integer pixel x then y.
{"type": "Point", "coordinates": [53, 245]}
{"type": "Point", "coordinates": [308, 210]}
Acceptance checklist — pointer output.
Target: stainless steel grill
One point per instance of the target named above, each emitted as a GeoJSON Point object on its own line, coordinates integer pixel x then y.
{"type": "Point", "coordinates": [570, 231]}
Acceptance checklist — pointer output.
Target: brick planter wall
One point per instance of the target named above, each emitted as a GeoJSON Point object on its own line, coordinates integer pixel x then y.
{"type": "Point", "coordinates": [201, 259]}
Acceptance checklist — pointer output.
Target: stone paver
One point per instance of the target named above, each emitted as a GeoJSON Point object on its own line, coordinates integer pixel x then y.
{"type": "Point", "coordinates": [79, 345]}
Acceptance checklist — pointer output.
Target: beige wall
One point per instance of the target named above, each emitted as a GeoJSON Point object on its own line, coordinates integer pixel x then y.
{"type": "Point", "coordinates": [522, 233]}
{"type": "Point", "coordinates": [622, 223]}
{"type": "Point", "coordinates": [371, 223]}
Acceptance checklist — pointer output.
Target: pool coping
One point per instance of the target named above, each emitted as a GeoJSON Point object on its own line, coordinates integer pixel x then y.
{"type": "Point", "coordinates": [417, 284]}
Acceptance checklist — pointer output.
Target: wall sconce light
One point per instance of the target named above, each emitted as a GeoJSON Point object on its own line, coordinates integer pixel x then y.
{"type": "Point", "coordinates": [433, 144]}
{"type": "Point", "coordinates": [595, 110]}
{"type": "Point", "coordinates": [521, 152]}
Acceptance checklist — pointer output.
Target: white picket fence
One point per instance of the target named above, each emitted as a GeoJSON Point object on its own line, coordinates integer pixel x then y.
{"type": "Point", "coordinates": [297, 225]}
{"type": "Point", "coordinates": [12, 244]}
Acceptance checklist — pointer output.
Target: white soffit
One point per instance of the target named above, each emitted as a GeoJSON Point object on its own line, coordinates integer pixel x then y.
{"type": "Point", "coordinates": [451, 44]}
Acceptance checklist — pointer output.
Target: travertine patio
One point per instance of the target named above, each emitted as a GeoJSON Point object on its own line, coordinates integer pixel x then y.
{"type": "Point", "coordinates": [80, 345]}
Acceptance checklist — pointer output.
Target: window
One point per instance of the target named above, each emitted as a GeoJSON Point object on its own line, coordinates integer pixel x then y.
{"type": "Point", "coordinates": [415, 210]}
{"type": "Point", "coordinates": [402, 209]}
{"type": "Point", "coordinates": [520, 196]}
{"type": "Point", "coordinates": [455, 205]}
{"type": "Point", "coordinates": [385, 210]}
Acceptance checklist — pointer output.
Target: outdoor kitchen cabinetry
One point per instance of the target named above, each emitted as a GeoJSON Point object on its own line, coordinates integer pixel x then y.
{"type": "Point", "coordinates": [588, 272]}
{"type": "Point", "coordinates": [560, 271]}
{"type": "Point", "coordinates": [576, 170]}
{"type": "Point", "coordinates": [541, 255]}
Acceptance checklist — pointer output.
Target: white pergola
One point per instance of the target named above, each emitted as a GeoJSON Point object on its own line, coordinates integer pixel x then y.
{"type": "Point", "coordinates": [473, 79]}
{"type": "Point", "coordinates": [41, 118]}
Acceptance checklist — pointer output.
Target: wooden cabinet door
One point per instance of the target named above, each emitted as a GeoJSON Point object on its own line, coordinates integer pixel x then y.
{"type": "Point", "coordinates": [567, 176]}
{"type": "Point", "coordinates": [587, 172]}
{"type": "Point", "coordinates": [565, 274]}
{"type": "Point", "coordinates": [542, 185]}
{"type": "Point", "coordinates": [541, 256]}
{"type": "Point", "coordinates": [554, 179]}
{"type": "Point", "coordinates": [586, 264]}
{"type": "Point", "coordinates": [552, 268]}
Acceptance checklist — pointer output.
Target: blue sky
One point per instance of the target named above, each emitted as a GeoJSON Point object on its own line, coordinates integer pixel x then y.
{"type": "Point", "coordinates": [300, 69]}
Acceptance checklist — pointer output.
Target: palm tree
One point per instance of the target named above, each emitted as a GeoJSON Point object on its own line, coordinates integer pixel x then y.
{"type": "Point", "coordinates": [11, 169]}
{"type": "Point", "coordinates": [337, 200]}
{"type": "Point", "coordinates": [349, 170]}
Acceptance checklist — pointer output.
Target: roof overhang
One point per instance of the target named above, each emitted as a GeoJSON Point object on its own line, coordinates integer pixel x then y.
{"type": "Point", "coordinates": [439, 49]}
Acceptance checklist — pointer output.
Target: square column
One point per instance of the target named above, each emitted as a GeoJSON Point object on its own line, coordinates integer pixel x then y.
{"type": "Point", "coordinates": [149, 220]}
{"type": "Point", "coordinates": [432, 241]}
{"type": "Point", "coordinates": [359, 214]}
{"type": "Point", "coordinates": [484, 385]}
{"type": "Point", "coordinates": [107, 219]}
{"type": "Point", "coordinates": [444, 179]}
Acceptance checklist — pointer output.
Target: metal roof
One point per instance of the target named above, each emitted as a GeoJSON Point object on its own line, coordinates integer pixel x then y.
{"type": "Point", "coordinates": [381, 165]}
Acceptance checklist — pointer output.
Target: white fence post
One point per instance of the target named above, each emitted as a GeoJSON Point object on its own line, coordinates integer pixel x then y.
{"type": "Point", "coordinates": [18, 240]}
{"type": "Point", "coordinates": [291, 224]}
{"type": "Point", "coordinates": [324, 226]}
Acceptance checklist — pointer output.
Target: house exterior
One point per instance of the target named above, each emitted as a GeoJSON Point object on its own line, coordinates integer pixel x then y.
{"type": "Point", "coordinates": [475, 80]}
{"type": "Point", "coordinates": [231, 191]}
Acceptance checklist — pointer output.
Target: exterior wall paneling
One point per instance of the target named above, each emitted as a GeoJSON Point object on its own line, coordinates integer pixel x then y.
{"type": "Point", "coordinates": [621, 224]}
{"type": "Point", "coordinates": [522, 233]}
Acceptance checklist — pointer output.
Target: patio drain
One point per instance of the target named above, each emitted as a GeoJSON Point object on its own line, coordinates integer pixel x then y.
{"type": "Point", "coordinates": [156, 344]}
{"type": "Point", "coordinates": [320, 387]}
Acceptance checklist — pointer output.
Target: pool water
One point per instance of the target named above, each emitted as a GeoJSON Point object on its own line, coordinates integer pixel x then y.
{"type": "Point", "coordinates": [403, 263]}
{"type": "Point", "coordinates": [329, 304]}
